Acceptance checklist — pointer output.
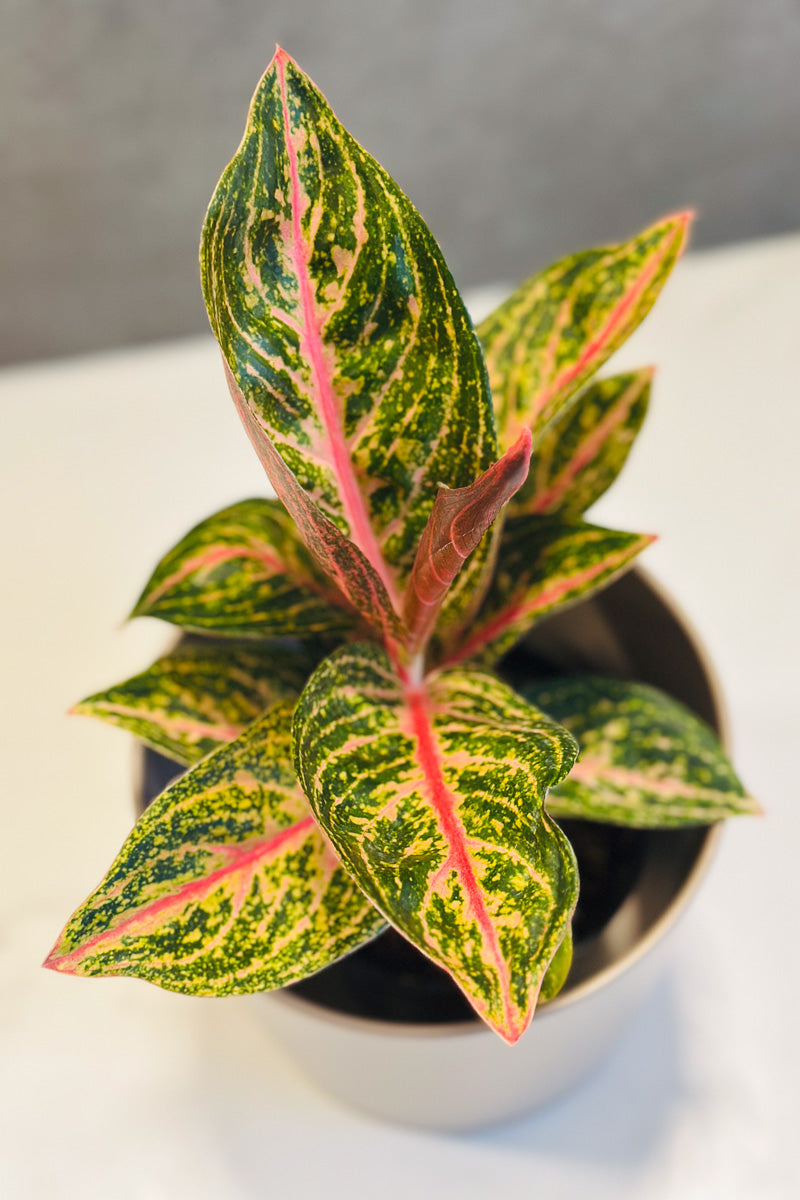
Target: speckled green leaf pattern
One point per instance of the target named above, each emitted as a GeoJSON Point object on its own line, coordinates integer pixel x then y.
{"type": "Point", "coordinates": [341, 323]}
{"type": "Point", "coordinates": [460, 518]}
{"type": "Point", "coordinates": [434, 799]}
{"type": "Point", "coordinates": [203, 693]}
{"type": "Point", "coordinates": [585, 447]}
{"type": "Point", "coordinates": [226, 883]}
{"type": "Point", "coordinates": [340, 559]}
{"type": "Point", "coordinates": [645, 760]}
{"type": "Point", "coordinates": [244, 572]}
{"type": "Point", "coordinates": [557, 329]}
{"type": "Point", "coordinates": [544, 563]}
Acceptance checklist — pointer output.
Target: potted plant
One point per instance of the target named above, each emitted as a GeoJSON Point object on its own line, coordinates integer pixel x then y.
{"type": "Point", "coordinates": [355, 758]}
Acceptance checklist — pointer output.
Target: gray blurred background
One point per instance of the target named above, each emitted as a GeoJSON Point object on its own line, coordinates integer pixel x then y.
{"type": "Point", "coordinates": [522, 129]}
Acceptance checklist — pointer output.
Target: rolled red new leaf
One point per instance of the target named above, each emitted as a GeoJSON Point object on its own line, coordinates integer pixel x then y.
{"type": "Point", "coordinates": [460, 518]}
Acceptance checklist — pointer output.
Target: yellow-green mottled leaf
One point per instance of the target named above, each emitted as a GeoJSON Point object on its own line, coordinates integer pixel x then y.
{"type": "Point", "coordinates": [225, 884]}
{"type": "Point", "coordinates": [645, 760]}
{"type": "Point", "coordinates": [543, 564]}
{"type": "Point", "coordinates": [433, 796]}
{"type": "Point", "coordinates": [342, 326]}
{"type": "Point", "coordinates": [203, 693]}
{"type": "Point", "coordinates": [585, 447]}
{"type": "Point", "coordinates": [559, 327]}
{"type": "Point", "coordinates": [244, 572]}
{"type": "Point", "coordinates": [558, 970]}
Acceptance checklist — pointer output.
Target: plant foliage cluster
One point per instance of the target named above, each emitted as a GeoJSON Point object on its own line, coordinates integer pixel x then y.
{"type": "Point", "coordinates": [353, 757]}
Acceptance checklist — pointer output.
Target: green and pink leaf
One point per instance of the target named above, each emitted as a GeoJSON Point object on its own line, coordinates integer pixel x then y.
{"type": "Point", "coordinates": [225, 885]}
{"type": "Point", "coordinates": [353, 352]}
{"type": "Point", "coordinates": [341, 559]}
{"type": "Point", "coordinates": [544, 563]}
{"type": "Point", "coordinates": [585, 447]}
{"type": "Point", "coordinates": [559, 327]}
{"type": "Point", "coordinates": [244, 572]}
{"type": "Point", "coordinates": [645, 760]}
{"type": "Point", "coordinates": [203, 693]}
{"type": "Point", "coordinates": [433, 797]}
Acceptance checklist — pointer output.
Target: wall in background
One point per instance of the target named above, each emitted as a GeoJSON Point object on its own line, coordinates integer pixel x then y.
{"type": "Point", "coordinates": [521, 129]}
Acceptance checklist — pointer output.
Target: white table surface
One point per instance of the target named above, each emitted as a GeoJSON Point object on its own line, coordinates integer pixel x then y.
{"type": "Point", "coordinates": [114, 1089]}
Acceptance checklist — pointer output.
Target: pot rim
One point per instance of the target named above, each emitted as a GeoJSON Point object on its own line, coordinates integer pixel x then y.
{"type": "Point", "coordinates": [657, 930]}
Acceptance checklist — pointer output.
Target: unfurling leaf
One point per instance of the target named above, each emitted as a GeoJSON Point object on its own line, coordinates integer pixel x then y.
{"type": "Point", "coordinates": [203, 693]}
{"type": "Point", "coordinates": [434, 799]}
{"type": "Point", "coordinates": [585, 447]}
{"type": "Point", "coordinates": [460, 518]}
{"type": "Point", "coordinates": [645, 760]}
{"type": "Point", "coordinates": [559, 327]}
{"type": "Point", "coordinates": [339, 319]}
{"type": "Point", "coordinates": [244, 572]}
{"type": "Point", "coordinates": [226, 883]}
{"type": "Point", "coordinates": [543, 563]}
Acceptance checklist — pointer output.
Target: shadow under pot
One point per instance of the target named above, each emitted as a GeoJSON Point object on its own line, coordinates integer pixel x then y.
{"type": "Point", "coordinates": [387, 1031]}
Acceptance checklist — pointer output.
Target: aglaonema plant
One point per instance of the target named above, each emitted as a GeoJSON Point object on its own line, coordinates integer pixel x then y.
{"type": "Point", "coordinates": [354, 758]}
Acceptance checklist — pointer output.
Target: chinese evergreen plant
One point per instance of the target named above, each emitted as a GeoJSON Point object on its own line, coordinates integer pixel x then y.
{"type": "Point", "coordinates": [353, 759]}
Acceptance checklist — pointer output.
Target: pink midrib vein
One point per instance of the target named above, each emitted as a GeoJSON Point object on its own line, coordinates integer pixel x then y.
{"type": "Point", "coordinates": [590, 447]}
{"type": "Point", "coordinates": [214, 556]}
{"type": "Point", "coordinates": [361, 531]}
{"type": "Point", "coordinates": [223, 731]}
{"type": "Point", "coordinates": [594, 770]}
{"type": "Point", "coordinates": [194, 890]}
{"type": "Point", "coordinates": [618, 313]}
{"type": "Point", "coordinates": [529, 607]}
{"type": "Point", "coordinates": [443, 803]}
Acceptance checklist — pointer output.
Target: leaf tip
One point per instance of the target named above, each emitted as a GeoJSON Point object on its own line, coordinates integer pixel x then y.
{"type": "Point", "coordinates": [753, 807]}
{"type": "Point", "coordinates": [523, 448]}
{"type": "Point", "coordinates": [140, 609]}
{"type": "Point", "coordinates": [58, 962]}
{"type": "Point", "coordinates": [512, 1031]}
{"type": "Point", "coordinates": [682, 221]}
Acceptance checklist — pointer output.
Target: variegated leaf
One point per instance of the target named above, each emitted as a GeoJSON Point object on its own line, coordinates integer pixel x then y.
{"type": "Point", "coordinates": [226, 883]}
{"type": "Point", "coordinates": [434, 799]}
{"type": "Point", "coordinates": [558, 970]}
{"type": "Point", "coordinates": [585, 447]}
{"type": "Point", "coordinates": [244, 572]}
{"type": "Point", "coordinates": [559, 327]}
{"type": "Point", "coordinates": [460, 518]}
{"type": "Point", "coordinates": [340, 558]}
{"type": "Point", "coordinates": [543, 563]}
{"type": "Point", "coordinates": [203, 693]}
{"type": "Point", "coordinates": [645, 760]}
{"type": "Point", "coordinates": [338, 317]}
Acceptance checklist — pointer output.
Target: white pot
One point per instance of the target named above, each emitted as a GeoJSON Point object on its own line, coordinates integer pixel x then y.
{"type": "Point", "coordinates": [461, 1076]}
